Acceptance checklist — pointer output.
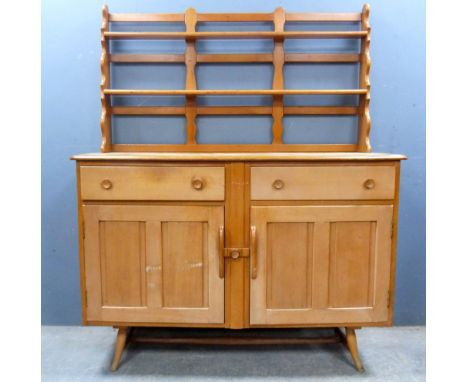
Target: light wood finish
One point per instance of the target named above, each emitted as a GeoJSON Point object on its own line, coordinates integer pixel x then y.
{"type": "Point", "coordinates": [237, 57]}
{"type": "Point", "coordinates": [147, 17]}
{"type": "Point", "coordinates": [219, 92]}
{"type": "Point", "coordinates": [323, 17]}
{"type": "Point", "coordinates": [277, 57]}
{"type": "Point", "coordinates": [321, 57]}
{"type": "Point", "coordinates": [237, 277]}
{"type": "Point", "coordinates": [106, 129]}
{"type": "Point", "coordinates": [364, 82]}
{"type": "Point", "coordinates": [120, 343]}
{"type": "Point", "coordinates": [396, 204]}
{"type": "Point", "coordinates": [279, 18]}
{"type": "Point", "coordinates": [233, 35]}
{"type": "Point", "coordinates": [240, 157]}
{"type": "Point", "coordinates": [351, 343]}
{"type": "Point", "coordinates": [221, 251]}
{"type": "Point", "coordinates": [234, 17]}
{"type": "Point", "coordinates": [323, 182]}
{"type": "Point", "coordinates": [152, 183]}
{"type": "Point", "coordinates": [236, 236]}
{"type": "Point", "coordinates": [240, 110]}
{"type": "Point", "coordinates": [326, 264]}
{"type": "Point", "coordinates": [346, 248]}
{"type": "Point", "coordinates": [149, 58]}
{"type": "Point", "coordinates": [215, 148]}
{"type": "Point", "coordinates": [190, 78]}
{"type": "Point", "coordinates": [253, 251]}
{"type": "Point", "coordinates": [153, 263]}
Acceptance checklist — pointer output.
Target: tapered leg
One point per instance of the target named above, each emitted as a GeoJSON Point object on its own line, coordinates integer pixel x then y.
{"type": "Point", "coordinates": [120, 343]}
{"type": "Point", "coordinates": [351, 342]}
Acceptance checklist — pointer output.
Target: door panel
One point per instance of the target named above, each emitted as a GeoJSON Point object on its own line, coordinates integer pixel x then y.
{"type": "Point", "coordinates": [122, 251]}
{"type": "Point", "coordinates": [183, 274]}
{"type": "Point", "coordinates": [153, 264]}
{"type": "Point", "coordinates": [280, 271]}
{"type": "Point", "coordinates": [352, 250]}
{"type": "Point", "coordinates": [321, 264]}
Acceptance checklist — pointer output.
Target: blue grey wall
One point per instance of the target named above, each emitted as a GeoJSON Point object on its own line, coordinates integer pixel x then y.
{"type": "Point", "coordinates": [71, 108]}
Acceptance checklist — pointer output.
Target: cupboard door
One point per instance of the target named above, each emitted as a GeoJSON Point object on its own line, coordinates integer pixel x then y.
{"type": "Point", "coordinates": [321, 264]}
{"type": "Point", "coordinates": [153, 264]}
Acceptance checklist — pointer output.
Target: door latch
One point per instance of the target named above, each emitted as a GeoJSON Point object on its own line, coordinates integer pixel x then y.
{"type": "Point", "coordinates": [235, 253]}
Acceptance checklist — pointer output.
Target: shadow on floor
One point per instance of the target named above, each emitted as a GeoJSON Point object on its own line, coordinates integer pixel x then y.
{"type": "Point", "coordinates": [246, 361]}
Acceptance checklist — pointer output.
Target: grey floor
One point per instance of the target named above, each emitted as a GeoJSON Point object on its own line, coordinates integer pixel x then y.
{"type": "Point", "coordinates": [72, 353]}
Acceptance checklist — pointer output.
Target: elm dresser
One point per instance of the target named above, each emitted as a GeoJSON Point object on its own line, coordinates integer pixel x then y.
{"type": "Point", "coordinates": [238, 236]}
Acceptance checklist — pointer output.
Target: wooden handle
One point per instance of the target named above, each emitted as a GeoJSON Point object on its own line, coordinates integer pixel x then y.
{"type": "Point", "coordinates": [221, 252]}
{"type": "Point", "coordinates": [278, 184]}
{"type": "Point", "coordinates": [253, 251]}
{"type": "Point", "coordinates": [198, 183]}
{"type": "Point", "coordinates": [106, 184]}
{"type": "Point", "coordinates": [369, 184]}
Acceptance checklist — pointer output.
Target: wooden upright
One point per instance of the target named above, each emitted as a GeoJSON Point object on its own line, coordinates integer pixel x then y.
{"type": "Point", "coordinates": [238, 236]}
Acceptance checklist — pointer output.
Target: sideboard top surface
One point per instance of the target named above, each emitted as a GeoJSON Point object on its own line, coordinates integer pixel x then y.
{"type": "Point", "coordinates": [233, 156]}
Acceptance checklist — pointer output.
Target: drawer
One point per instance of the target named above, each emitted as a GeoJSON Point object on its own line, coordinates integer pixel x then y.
{"type": "Point", "coordinates": [322, 183]}
{"type": "Point", "coordinates": [152, 183]}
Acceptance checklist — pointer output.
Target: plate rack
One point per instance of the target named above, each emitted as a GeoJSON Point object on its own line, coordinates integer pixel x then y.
{"type": "Point", "coordinates": [277, 57]}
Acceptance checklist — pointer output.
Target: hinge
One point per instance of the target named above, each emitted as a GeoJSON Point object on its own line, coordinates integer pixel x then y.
{"type": "Point", "coordinates": [86, 298]}
{"type": "Point", "coordinates": [392, 230]}
{"type": "Point", "coordinates": [388, 299]}
{"type": "Point", "coordinates": [83, 230]}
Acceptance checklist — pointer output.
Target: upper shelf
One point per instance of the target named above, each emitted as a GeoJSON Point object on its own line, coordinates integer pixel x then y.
{"type": "Point", "coordinates": [234, 17]}
{"type": "Point", "coordinates": [357, 106]}
{"type": "Point", "coordinates": [195, 92]}
{"type": "Point", "coordinates": [233, 35]}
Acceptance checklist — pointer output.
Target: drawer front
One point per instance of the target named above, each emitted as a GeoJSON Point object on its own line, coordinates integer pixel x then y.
{"type": "Point", "coordinates": [323, 183]}
{"type": "Point", "coordinates": [152, 183]}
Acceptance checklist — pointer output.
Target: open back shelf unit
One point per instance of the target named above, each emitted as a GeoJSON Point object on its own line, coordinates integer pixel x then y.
{"type": "Point", "coordinates": [278, 58]}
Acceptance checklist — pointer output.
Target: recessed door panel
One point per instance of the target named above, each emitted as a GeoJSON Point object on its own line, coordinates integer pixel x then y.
{"type": "Point", "coordinates": [321, 264]}
{"type": "Point", "coordinates": [153, 264]}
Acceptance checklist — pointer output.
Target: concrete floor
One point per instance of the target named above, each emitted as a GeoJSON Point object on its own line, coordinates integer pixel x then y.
{"type": "Point", "coordinates": [72, 353]}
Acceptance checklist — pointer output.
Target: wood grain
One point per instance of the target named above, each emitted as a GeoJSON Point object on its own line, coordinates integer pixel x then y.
{"type": "Point", "coordinates": [220, 92]}
{"type": "Point", "coordinates": [313, 291]}
{"type": "Point", "coordinates": [151, 183]}
{"type": "Point", "coordinates": [235, 110]}
{"type": "Point", "coordinates": [235, 17]}
{"type": "Point", "coordinates": [180, 285]}
{"type": "Point", "coordinates": [233, 35]}
{"type": "Point", "coordinates": [322, 183]}
{"type": "Point", "coordinates": [278, 79]}
{"type": "Point", "coordinates": [149, 221]}
{"type": "Point", "coordinates": [106, 129]}
{"type": "Point", "coordinates": [310, 157]}
{"type": "Point", "coordinates": [190, 78]}
{"type": "Point", "coordinates": [364, 83]}
{"type": "Point", "coordinates": [237, 291]}
{"type": "Point", "coordinates": [278, 58]}
{"type": "Point", "coordinates": [236, 57]}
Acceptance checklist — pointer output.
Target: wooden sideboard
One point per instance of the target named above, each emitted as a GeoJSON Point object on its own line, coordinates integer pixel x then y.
{"type": "Point", "coordinates": [238, 236]}
{"type": "Point", "coordinates": [238, 240]}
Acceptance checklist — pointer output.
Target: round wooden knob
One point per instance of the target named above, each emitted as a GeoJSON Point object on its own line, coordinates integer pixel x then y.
{"type": "Point", "coordinates": [197, 183]}
{"type": "Point", "coordinates": [278, 184]}
{"type": "Point", "coordinates": [235, 254]}
{"type": "Point", "coordinates": [369, 184]}
{"type": "Point", "coordinates": [106, 184]}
